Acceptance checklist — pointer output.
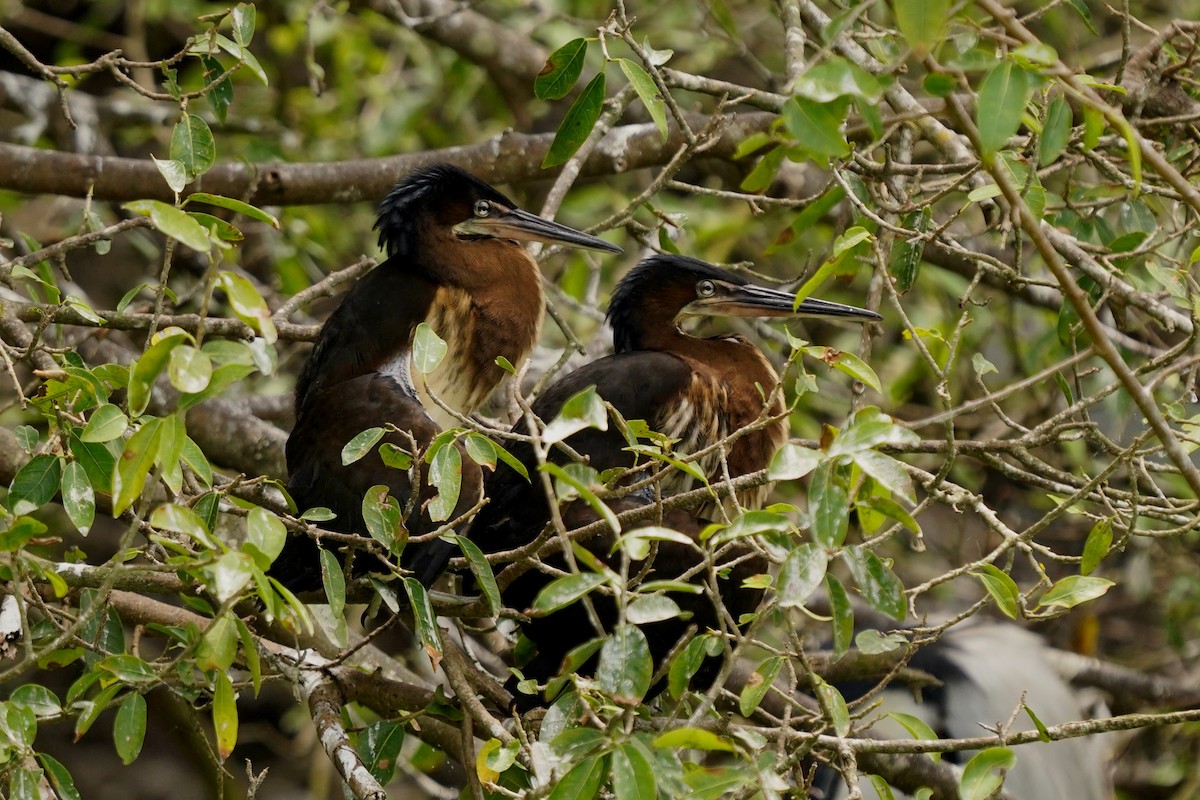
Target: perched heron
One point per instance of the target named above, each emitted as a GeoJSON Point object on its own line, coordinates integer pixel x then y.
{"type": "Point", "coordinates": [694, 390]}
{"type": "Point", "coordinates": [456, 262]}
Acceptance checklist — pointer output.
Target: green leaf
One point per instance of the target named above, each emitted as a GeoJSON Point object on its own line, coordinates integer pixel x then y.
{"type": "Point", "coordinates": [107, 422]}
{"type": "Point", "coordinates": [231, 204]}
{"type": "Point", "coordinates": [1074, 590]}
{"type": "Point", "coordinates": [37, 698]}
{"type": "Point", "coordinates": [426, 620]}
{"type": "Point", "coordinates": [577, 124]}
{"type": "Point", "coordinates": [360, 445]}
{"type": "Point", "coordinates": [242, 17]}
{"type": "Point", "coordinates": [35, 484]}
{"type": "Point", "coordinates": [1099, 540]}
{"type": "Point", "coordinates": [833, 704]}
{"type": "Point", "coordinates": [181, 519]}
{"type": "Point", "coordinates": [428, 349]}
{"type": "Point", "coordinates": [1056, 131]}
{"type": "Point", "coordinates": [173, 173]}
{"type": "Point", "coordinates": [482, 571]}
{"type": "Point", "coordinates": [379, 746]}
{"type": "Point", "coordinates": [802, 572]}
{"type": "Point", "coordinates": [174, 223]}
{"type": "Point", "coordinates": [879, 586]}
{"type": "Point", "coordinates": [146, 369]}
{"type": "Point", "coordinates": [563, 591]}
{"type": "Point", "coordinates": [19, 532]}
{"type": "Point", "coordinates": [1001, 587]}
{"type": "Point", "coordinates": [905, 262]}
{"type": "Point", "coordinates": [837, 77]}
{"type": "Point", "coordinates": [984, 773]}
{"type": "Point", "coordinates": [817, 126]}
{"type": "Point", "coordinates": [922, 22]}
{"type": "Point", "coordinates": [192, 146]}
{"type": "Point", "coordinates": [693, 739]}
{"type": "Point", "coordinates": [381, 514]}
{"type": "Point", "coordinates": [128, 668]}
{"type": "Point", "coordinates": [219, 89]}
{"type": "Point", "coordinates": [445, 473]}
{"type": "Point", "coordinates": [758, 685]}
{"type": "Point", "coordinates": [830, 508]}
{"type": "Point", "coordinates": [917, 728]}
{"type": "Point", "coordinates": [218, 647]}
{"type": "Point", "coordinates": [855, 367]}
{"type": "Point", "coordinates": [582, 782]}
{"type": "Point", "coordinates": [685, 665]}
{"type": "Point", "coordinates": [78, 497]}
{"type": "Point", "coordinates": [333, 580]}
{"type": "Point", "coordinates": [1003, 94]}
{"type": "Point", "coordinates": [225, 716]}
{"type": "Point", "coordinates": [1081, 8]}
{"type": "Point", "coordinates": [625, 667]}
{"type": "Point", "coordinates": [247, 304]}
{"type": "Point", "coordinates": [561, 72]}
{"type": "Point", "coordinates": [266, 533]}
{"type": "Point", "coordinates": [582, 410]}
{"type": "Point", "coordinates": [129, 728]}
{"type": "Point", "coordinates": [760, 178]}
{"type": "Point", "coordinates": [792, 461]}
{"type": "Point", "coordinates": [648, 92]}
{"type": "Point", "coordinates": [841, 614]}
{"type": "Point", "coordinates": [243, 55]}
{"type": "Point", "coordinates": [59, 777]}
{"type": "Point", "coordinates": [632, 776]}
{"type": "Point", "coordinates": [231, 573]}
{"type": "Point", "coordinates": [189, 369]}
{"type": "Point", "coordinates": [250, 654]}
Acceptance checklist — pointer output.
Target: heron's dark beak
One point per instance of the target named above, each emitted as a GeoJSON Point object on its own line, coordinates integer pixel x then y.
{"type": "Point", "coordinates": [748, 300]}
{"type": "Point", "coordinates": [525, 227]}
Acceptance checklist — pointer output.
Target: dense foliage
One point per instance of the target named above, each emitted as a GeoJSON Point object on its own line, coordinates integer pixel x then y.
{"type": "Point", "coordinates": [183, 186]}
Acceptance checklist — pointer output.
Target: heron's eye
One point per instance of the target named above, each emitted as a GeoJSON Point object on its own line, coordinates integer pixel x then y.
{"type": "Point", "coordinates": [482, 208]}
{"type": "Point", "coordinates": [706, 288]}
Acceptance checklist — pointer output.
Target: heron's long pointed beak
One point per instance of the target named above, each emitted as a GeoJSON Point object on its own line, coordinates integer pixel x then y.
{"type": "Point", "coordinates": [749, 300]}
{"type": "Point", "coordinates": [523, 226]}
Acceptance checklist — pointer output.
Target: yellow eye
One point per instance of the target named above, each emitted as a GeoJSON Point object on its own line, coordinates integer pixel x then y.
{"type": "Point", "coordinates": [482, 208]}
{"type": "Point", "coordinates": [706, 289]}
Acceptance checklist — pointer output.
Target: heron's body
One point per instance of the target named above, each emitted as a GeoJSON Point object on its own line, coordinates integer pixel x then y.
{"type": "Point", "coordinates": [454, 263]}
{"type": "Point", "coordinates": [698, 391]}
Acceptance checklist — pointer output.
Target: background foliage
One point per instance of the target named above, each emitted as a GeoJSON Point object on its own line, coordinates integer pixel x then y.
{"type": "Point", "coordinates": [182, 185]}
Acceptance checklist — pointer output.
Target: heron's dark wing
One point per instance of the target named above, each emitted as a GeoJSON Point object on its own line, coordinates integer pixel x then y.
{"type": "Point", "coordinates": [318, 478]}
{"type": "Point", "coordinates": [639, 385]}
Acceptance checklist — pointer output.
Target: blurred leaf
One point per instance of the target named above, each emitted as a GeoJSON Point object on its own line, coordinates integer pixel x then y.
{"type": "Point", "coordinates": [1003, 94]}
{"type": "Point", "coordinates": [225, 716]}
{"type": "Point", "coordinates": [78, 497]}
{"type": "Point", "coordinates": [428, 349]}
{"type": "Point", "coordinates": [577, 124]}
{"type": "Point", "coordinates": [625, 667]}
{"type": "Point", "coordinates": [146, 369]}
{"type": "Point", "coordinates": [1081, 8]}
{"type": "Point", "coordinates": [129, 728]}
{"type": "Point", "coordinates": [1001, 587]}
{"type": "Point", "coordinates": [648, 92]}
{"type": "Point", "coordinates": [231, 573]}
{"type": "Point", "coordinates": [35, 484]}
{"type": "Point", "coordinates": [242, 17]}
{"type": "Point", "coordinates": [922, 22]}
{"type": "Point", "coordinates": [836, 77]}
{"type": "Point", "coordinates": [59, 778]}
{"type": "Point", "coordinates": [1074, 590]}
{"type": "Point", "coordinates": [905, 263]}
{"type": "Point", "coordinates": [189, 369]}
{"type": "Point", "coordinates": [561, 72]}
{"type": "Point", "coordinates": [693, 739]}
{"type": "Point", "coordinates": [984, 773]}
{"type": "Point", "coordinates": [917, 728]}
{"type": "Point", "coordinates": [760, 178]}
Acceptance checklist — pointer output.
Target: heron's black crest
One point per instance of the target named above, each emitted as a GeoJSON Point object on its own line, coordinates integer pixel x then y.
{"type": "Point", "coordinates": [422, 192]}
{"type": "Point", "coordinates": [649, 279]}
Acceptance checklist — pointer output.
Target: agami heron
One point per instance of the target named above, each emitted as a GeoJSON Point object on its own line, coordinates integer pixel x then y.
{"type": "Point", "coordinates": [694, 390]}
{"type": "Point", "coordinates": [456, 262]}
